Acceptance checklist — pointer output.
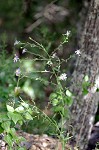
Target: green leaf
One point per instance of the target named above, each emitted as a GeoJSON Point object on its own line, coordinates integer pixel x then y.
{"type": "Point", "coordinates": [3, 117]}
{"type": "Point", "coordinates": [86, 78]}
{"type": "Point", "coordinates": [9, 140]}
{"type": "Point", "coordinates": [30, 111]}
{"type": "Point", "coordinates": [14, 116]}
{"type": "Point", "coordinates": [20, 122]}
{"type": "Point", "coordinates": [10, 114]}
{"type": "Point", "coordinates": [68, 101]}
{"type": "Point", "coordinates": [6, 125]}
{"type": "Point", "coordinates": [13, 133]}
{"type": "Point", "coordinates": [53, 96]}
{"type": "Point", "coordinates": [28, 116]}
{"type": "Point", "coordinates": [97, 90]}
{"type": "Point", "coordinates": [9, 108]}
{"type": "Point", "coordinates": [21, 148]}
{"type": "Point", "coordinates": [85, 85]}
{"type": "Point", "coordinates": [66, 113]}
{"type": "Point", "coordinates": [85, 91]}
{"type": "Point", "coordinates": [60, 97]}
{"type": "Point", "coordinates": [58, 109]}
{"type": "Point", "coordinates": [68, 93]}
{"type": "Point", "coordinates": [63, 111]}
{"type": "Point", "coordinates": [1, 129]}
{"type": "Point", "coordinates": [55, 102]}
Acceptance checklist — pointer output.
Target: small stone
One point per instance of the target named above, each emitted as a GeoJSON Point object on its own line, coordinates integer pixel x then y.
{"type": "Point", "coordinates": [44, 144]}
{"type": "Point", "coordinates": [45, 135]}
{"type": "Point", "coordinates": [3, 143]}
{"type": "Point", "coordinates": [25, 144]}
{"type": "Point", "coordinates": [33, 147]}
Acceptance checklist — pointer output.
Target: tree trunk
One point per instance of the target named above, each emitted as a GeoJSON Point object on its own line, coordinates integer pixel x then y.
{"type": "Point", "coordinates": [84, 107]}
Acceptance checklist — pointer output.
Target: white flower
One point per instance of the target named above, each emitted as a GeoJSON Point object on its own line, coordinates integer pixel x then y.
{"type": "Point", "coordinates": [63, 76]}
{"type": "Point", "coordinates": [67, 33]}
{"type": "Point", "coordinates": [24, 50]}
{"type": "Point", "coordinates": [54, 55]}
{"type": "Point", "coordinates": [16, 58]}
{"type": "Point", "coordinates": [77, 52]}
{"type": "Point", "coordinates": [18, 72]}
{"type": "Point", "coordinates": [16, 42]}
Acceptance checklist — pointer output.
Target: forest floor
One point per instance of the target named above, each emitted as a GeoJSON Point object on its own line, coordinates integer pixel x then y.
{"type": "Point", "coordinates": [37, 142]}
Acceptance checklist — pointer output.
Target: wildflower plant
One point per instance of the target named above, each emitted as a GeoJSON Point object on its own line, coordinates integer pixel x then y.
{"type": "Point", "coordinates": [51, 73]}
{"type": "Point", "coordinates": [61, 98]}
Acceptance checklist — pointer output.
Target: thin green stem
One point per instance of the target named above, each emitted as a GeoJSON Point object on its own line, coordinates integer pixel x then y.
{"type": "Point", "coordinates": [50, 120]}
{"type": "Point", "coordinates": [39, 45]}
{"type": "Point", "coordinates": [18, 81]}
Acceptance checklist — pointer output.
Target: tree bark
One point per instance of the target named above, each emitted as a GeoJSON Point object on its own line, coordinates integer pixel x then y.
{"type": "Point", "coordinates": [84, 107]}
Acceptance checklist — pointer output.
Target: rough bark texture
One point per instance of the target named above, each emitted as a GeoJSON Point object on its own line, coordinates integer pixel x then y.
{"type": "Point", "coordinates": [84, 107]}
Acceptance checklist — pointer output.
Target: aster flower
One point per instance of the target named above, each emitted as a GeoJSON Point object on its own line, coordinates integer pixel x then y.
{"type": "Point", "coordinates": [16, 58]}
{"type": "Point", "coordinates": [18, 72]}
{"type": "Point", "coordinates": [77, 52]}
{"type": "Point", "coordinates": [63, 76]}
{"type": "Point", "coordinates": [54, 55]}
{"type": "Point", "coordinates": [67, 33]}
{"type": "Point", "coordinates": [16, 42]}
{"type": "Point", "coordinates": [24, 50]}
